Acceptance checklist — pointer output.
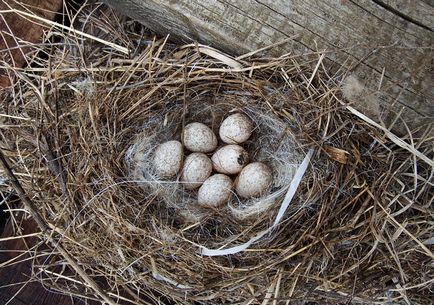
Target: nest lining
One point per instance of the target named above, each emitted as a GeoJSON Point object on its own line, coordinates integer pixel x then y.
{"type": "Point", "coordinates": [345, 238]}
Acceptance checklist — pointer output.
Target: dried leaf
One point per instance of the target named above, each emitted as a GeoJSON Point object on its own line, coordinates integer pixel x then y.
{"type": "Point", "coordinates": [337, 154]}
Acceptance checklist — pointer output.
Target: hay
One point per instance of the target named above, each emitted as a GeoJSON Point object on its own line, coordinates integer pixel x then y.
{"type": "Point", "coordinates": [357, 230]}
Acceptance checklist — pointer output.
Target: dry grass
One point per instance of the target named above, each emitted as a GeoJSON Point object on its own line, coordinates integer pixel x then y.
{"type": "Point", "coordinates": [359, 231]}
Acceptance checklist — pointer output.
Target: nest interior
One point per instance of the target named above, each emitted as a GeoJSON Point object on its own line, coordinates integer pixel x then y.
{"type": "Point", "coordinates": [271, 143]}
{"type": "Point", "coordinates": [358, 229]}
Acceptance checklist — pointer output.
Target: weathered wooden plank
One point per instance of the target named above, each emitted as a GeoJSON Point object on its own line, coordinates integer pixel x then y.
{"type": "Point", "coordinates": [15, 287]}
{"type": "Point", "coordinates": [378, 43]}
{"type": "Point", "coordinates": [15, 29]}
{"type": "Point", "coordinates": [421, 13]}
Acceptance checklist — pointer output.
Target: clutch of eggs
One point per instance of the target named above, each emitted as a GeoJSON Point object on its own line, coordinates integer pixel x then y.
{"type": "Point", "coordinates": [253, 179]}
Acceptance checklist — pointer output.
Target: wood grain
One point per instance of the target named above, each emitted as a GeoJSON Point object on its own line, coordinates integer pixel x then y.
{"type": "Point", "coordinates": [383, 40]}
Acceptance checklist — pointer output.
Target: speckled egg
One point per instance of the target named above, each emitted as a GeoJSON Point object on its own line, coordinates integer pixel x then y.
{"type": "Point", "coordinates": [215, 191]}
{"type": "Point", "coordinates": [168, 159]}
{"type": "Point", "coordinates": [199, 138]}
{"type": "Point", "coordinates": [229, 159]}
{"type": "Point", "coordinates": [254, 180]}
{"type": "Point", "coordinates": [236, 129]}
{"type": "Point", "coordinates": [197, 168]}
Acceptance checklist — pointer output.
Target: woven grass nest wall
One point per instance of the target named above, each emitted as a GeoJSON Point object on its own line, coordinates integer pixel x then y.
{"type": "Point", "coordinates": [357, 230]}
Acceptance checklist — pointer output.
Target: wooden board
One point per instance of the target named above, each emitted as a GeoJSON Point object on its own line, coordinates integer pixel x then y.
{"type": "Point", "coordinates": [382, 40]}
{"type": "Point", "coordinates": [13, 278]}
{"type": "Point", "coordinates": [16, 31]}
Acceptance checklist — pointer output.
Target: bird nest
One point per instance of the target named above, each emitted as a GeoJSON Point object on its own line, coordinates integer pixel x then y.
{"type": "Point", "coordinates": [346, 220]}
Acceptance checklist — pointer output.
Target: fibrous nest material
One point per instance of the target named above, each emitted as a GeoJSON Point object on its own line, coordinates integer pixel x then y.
{"type": "Point", "coordinates": [359, 229]}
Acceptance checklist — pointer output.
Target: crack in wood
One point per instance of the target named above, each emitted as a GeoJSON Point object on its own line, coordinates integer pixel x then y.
{"type": "Point", "coordinates": [401, 15]}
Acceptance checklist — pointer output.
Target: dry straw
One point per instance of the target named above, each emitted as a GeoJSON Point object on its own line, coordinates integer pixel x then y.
{"type": "Point", "coordinates": [359, 228]}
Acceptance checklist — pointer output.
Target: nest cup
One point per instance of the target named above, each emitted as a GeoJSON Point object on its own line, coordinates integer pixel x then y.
{"type": "Point", "coordinates": [272, 143]}
{"type": "Point", "coordinates": [80, 132]}
{"type": "Point", "coordinates": [179, 225]}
